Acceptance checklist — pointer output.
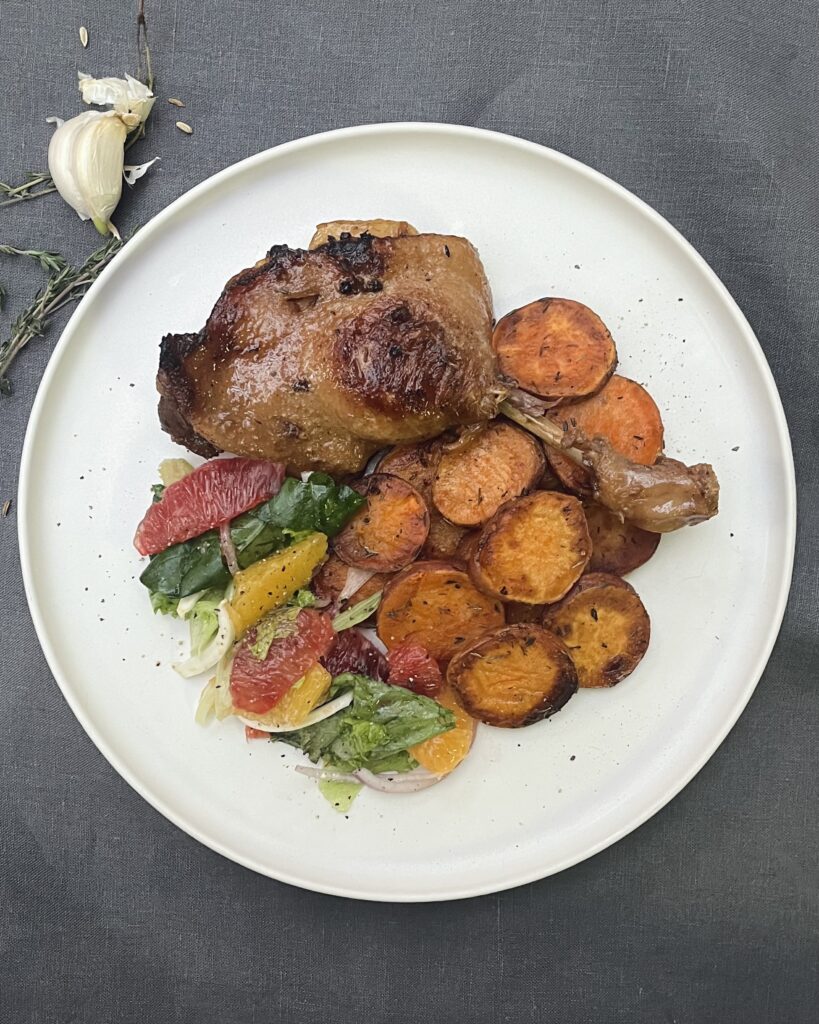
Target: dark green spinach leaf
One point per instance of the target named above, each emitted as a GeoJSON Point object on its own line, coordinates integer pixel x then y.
{"type": "Point", "coordinates": [300, 507]}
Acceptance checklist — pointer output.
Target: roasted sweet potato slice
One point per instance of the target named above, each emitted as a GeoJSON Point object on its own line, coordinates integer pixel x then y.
{"type": "Point", "coordinates": [500, 463]}
{"type": "Point", "coordinates": [605, 627]}
{"type": "Point", "coordinates": [389, 531]}
{"type": "Point", "coordinates": [514, 676]}
{"type": "Point", "coordinates": [377, 227]}
{"type": "Point", "coordinates": [333, 579]}
{"type": "Point", "coordinates": [443, 538]}
{"type": "Point", "coordinates": [549, 480]}
{"type": "Point", "coordinates": [438, 606]}
{"type": "Point", "coordinates": [556, 348]}
{"type": "Point", "coordinates": [533, 550]}
{"type": "Point", "coordinates": [571, 477]}
{"type": "Point", "coordinates": [415, 463]}
{"type": "Point", "coordinates": [617, 546]}
{"type": "Point", "coordinates": [516, 613]}
{"type": "Point", "coordinates": [466, 546]}
{"type": "Point", "coordinates": [623, 413]}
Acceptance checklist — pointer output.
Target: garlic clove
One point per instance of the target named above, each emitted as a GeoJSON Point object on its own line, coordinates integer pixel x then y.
{"type": "Point", "coordinates": [86, 158]}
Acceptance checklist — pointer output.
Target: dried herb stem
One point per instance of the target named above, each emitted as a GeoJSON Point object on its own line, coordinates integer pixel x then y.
{"type": "Point", "coordinates": [65, 286]}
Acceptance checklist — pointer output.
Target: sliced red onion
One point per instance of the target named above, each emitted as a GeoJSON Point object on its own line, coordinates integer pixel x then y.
{"type": "Point", "coordinates": [356, 578]}
{"type": "Point", "coordinates": [325, 774]}
{"type": "Point", "coordinates": [388, 782]}
{"type": "Point", "coordinates": [398, 782]}
{"type": "Point", "coordinates": [228, 548]}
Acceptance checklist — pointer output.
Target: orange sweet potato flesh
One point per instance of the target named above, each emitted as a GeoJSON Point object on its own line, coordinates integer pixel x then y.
{"type": "Point", "coordinates": [605, 627]}
{"type": "Point", "coordinates": [436, 605]}
{"type": "Point", "coordinates": [443, 538]}
{"type": "Point", "coordinates": [623, 413]}
{"type": "Point", "coordinates": [513, 677]}
{"type": "Point", "coordinates": [533, 550]}
{"type": "Point", "coordinates": [389, 531]}
{"type": "Point", "coordinates": [558, 349]}
{"type": "Point", "coordinates": [617, 546]}
{"type": "Point", "coordinates": [415, 463]}
{"type": "Point", "coordinates": [499, 463]}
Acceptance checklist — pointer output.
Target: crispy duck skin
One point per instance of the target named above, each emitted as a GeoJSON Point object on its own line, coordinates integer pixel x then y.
{"type": "Point", "coordinates": [319, 358]}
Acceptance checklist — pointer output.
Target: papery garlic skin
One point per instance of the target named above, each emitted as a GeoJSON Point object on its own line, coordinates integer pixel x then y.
{"type": "Point", "coordinates": [86, 156]}
{"type": "Point", "coordinates": [129, 97]}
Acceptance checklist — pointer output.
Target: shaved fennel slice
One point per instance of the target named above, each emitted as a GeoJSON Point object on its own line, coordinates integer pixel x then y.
{"type": "Point", "coordinates": [215, 650]}
{"type": "Point", "coordinates": [356, 578]}
{"type": "Point", "coordinates": [223, 701]}
{"type": "Point", "coordinates": [207, 703]}
{"type": "Point", "coordinates": [186, 604]}
{"type": "Point", "coordinates": [320, 713]}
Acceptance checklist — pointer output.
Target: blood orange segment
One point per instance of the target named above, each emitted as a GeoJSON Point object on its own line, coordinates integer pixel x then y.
{"type": "Point", "coordinates": [412, 666]}
{"type": "Point", "coordinates": [353, 652]}
{"type": "Point", "coordinates": [444, 752]}
{"type": "Point", "coordinates": [213, 494]}
{"type": "Point", "coordinates": [257, 685]}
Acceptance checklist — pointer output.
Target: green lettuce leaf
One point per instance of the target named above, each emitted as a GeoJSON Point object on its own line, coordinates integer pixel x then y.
{"type": "Point", "coordinates": [203, 620]}
{"type": "Point", "coordinates": [300, 507]}
{"type": "Point", "coordinates": [375, 731]}
{"type": "Point", "coordinates": [163, 604]}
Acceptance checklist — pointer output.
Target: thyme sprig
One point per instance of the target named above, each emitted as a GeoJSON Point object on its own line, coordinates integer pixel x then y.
{"type": "Point", "coordinates": [65, 286]}
{"type": "Point", "coordinates": [51, 262]}
{"type": "Point", "coordinates": [36, 184]}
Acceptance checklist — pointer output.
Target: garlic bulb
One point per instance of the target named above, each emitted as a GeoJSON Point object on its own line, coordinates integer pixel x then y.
{"type": "Point", "coordinates": [86, 155]}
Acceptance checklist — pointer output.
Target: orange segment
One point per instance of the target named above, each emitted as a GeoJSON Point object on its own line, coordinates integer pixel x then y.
{"type": "Point", "coordinates": [267, 584]}
{"type": "Point", "coordinates": [444, 752]}
{"type": "Point", "coordinates": [302, 697]}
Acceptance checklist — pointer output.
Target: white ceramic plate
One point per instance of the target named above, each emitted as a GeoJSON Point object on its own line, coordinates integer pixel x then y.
{"type": "Point", "coordinates": [527, 802]}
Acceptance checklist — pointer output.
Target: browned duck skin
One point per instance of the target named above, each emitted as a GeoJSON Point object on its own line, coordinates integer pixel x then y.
{"type": "Point", "coordinates": [319, 358]}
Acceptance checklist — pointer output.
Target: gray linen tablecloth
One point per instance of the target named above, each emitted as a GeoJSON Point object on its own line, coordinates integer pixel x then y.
{"type": "Point", "coordinates": [708, 913]}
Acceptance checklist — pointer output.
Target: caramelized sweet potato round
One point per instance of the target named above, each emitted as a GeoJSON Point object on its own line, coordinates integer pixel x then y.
{"type": "Point", "coordinates": [516, 612]}
{"type": "Point", "coordinates": [617, 546]}
{"type": "Point", "coordinates": [501, 462]}
{"type": "Point", "coordinates": [438, 606]}
{"type": "Point", "coordinates": [443, 538]}
{"type": "Point", "coordinates": [605, 627]}
{"type": "Point", "coordinates": [555, 348]}
{"type": "Point", "coordinates": [415, 463]}
{"type": "Point", "coordinates": [533, 550]}
{"type": "Point", "coordinates": [332, 578]}
{"type": "Point", "coordinates": [515, 676]}
{"type": "Point", "coordinates": [389, 531]}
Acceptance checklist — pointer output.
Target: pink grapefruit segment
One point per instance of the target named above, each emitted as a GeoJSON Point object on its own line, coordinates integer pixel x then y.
{"type": "Point", "coordinates": [257, 685]}
{"type": "Point", "coordinates": [211, 495]}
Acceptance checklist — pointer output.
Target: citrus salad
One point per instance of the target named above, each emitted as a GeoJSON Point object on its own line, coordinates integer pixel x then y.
{"type": "Point", "coordinates": [235, 549]}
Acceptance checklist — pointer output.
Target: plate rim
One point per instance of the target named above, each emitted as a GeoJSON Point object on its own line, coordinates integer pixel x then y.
{"type": "Point", "coordinates": [142, 237]}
